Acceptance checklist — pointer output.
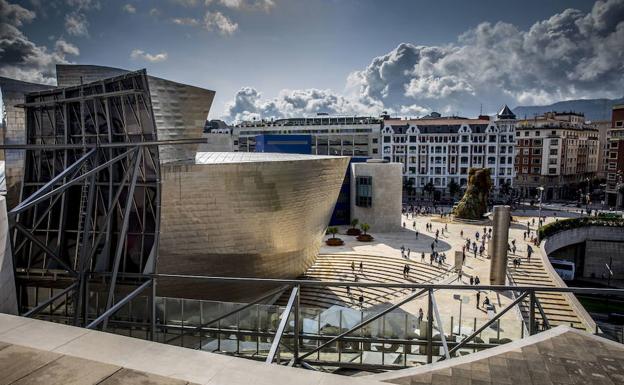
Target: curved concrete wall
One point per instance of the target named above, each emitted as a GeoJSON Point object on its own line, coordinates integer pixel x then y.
{"type": "Point", "coordinates": [254, 215]}
{"type": "Point", "coordinates": [582, 234]}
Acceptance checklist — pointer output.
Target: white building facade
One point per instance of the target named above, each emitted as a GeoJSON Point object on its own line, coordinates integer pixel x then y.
{"type": "Point", "coordinates": [442, 150]}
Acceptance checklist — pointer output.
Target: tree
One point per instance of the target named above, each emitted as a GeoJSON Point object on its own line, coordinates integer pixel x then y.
{"type": "Point", "coordinates": [505, 188]}
{"type": "Point", "coordinates": [453, 188]}
{"type": "Point", "coordinates": [333, 231]}
{"type": "Point", "coordinates": [409, 186]}
{"type": "Point", "coordinates": [354, 223]}
{"type": "Point", "coordinates": [365, 227]}
{"type": "Point", "coordinates": [429, 188]}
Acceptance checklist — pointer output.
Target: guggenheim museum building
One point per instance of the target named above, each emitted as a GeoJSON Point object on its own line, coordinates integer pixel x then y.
{"type": "Point", "coordinates": [104, 179]}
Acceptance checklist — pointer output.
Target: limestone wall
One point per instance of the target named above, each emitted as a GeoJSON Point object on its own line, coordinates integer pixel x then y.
{"type": "Point", "coordinates": [384, 215]}
{"type": "Point", "coordinates": [8, 297]}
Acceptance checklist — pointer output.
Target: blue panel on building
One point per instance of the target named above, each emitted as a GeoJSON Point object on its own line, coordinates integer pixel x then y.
{"type": "Point", "coordinates": [342, 210]}
{"type": "Point", "coordinates": [289, 144]}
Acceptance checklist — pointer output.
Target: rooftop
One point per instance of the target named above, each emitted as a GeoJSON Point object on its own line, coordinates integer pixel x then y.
{"type": "Point", "coordinates": [251, 157]}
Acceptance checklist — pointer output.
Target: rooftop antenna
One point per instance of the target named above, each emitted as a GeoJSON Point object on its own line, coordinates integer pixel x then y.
{"type": "Point", "coordinates": [481, 109]}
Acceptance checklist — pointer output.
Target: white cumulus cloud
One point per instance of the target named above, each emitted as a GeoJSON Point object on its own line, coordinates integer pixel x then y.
{"type": "Point", "coordinates": [138, 54]}
{"type": "Point", "coordinates": [569, 55]}
{"type": "Point", "coordinates": [129, 8]}
{"type": "Point", "coordinates": [22, 59]}
{"type": "Point", "coordinates": [216, 21]}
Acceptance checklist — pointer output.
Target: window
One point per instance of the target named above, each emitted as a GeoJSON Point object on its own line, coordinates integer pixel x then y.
{"type": "Point", "coordinates": [374, 151]}
{"type": "Point", "coordinates": [364, 191]}
{"type": "Point", "coordinates": [387, 139]}
{"type": "Point", "coordinates": [552, 170]}
{"type": "Point", "coordinates": [374, 140]}
{"type": "Point", "coordinates": [554, 151]}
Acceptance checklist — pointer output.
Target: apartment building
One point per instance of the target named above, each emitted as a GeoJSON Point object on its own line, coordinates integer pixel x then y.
{"type": "Point", "coordinates": [556, 151]}
{"type": "Point", "coordinates": [441, 150]}
{"type": "Point", "coordinates": [615, 159]}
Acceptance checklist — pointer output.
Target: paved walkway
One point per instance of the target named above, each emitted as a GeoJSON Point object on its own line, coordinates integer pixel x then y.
{"type": "Point", "coordinates": [387, 247]}
{"type": "Point", "coordinates": [39, 352]}
{"type": "Point", "coordinates": [558, 356]}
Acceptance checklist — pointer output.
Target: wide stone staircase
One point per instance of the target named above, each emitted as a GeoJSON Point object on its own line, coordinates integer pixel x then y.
{"type": "Point", "coordinates": [556, 306]}
{"type": "Point", "coordinates": [378, 269]}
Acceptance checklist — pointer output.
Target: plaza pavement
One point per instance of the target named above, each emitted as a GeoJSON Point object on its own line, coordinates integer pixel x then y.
{"type": "Point", "coordinates": [388, 245]}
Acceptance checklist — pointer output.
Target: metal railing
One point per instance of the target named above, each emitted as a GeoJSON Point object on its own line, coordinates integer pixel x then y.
{"type": "Point", "coordinates": [291, 342]}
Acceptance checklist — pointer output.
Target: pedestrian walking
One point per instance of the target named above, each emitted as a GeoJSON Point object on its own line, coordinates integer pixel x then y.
{"type": "Point", "coordinates": [471, 281]}
{"type": "Point", "coordinates": [477, 280]}
{"type": "Point", "coordinates": [348, 290]}
{"type": "Point", "coordinates": [416, 234]}
{"type": "Point", "coordinates": [420, 315]}
{"type": "Point", "coordinates": [408, 253]}
{"type": "Point", "coordinates": [461, 233]}
{"type": "Point", "coordinates": [352, 266]}
{"type": "Point", "coordinates": [361, 266]}
{"type": "Point", "coordinates": [529, 252]}
{"type": "Point", "coordinates": [422, 257]}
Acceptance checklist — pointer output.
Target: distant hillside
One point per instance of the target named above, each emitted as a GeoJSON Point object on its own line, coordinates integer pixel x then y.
{"type": "Point", "coordinates": [594, 109]}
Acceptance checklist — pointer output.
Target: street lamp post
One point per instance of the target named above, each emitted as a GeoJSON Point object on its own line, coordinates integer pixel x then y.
{"type": "Point", "coordinates": [539, 213]}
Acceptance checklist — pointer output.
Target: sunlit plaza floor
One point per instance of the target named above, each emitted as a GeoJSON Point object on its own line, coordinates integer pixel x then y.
{"type": "Point", "coordinates": [388, 245]}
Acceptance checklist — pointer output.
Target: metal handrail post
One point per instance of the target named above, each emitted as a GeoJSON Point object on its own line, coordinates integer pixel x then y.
{"type": "Point", "coordinates": [440, 326]}
{"type": "Point", "coordinates": [532, 313]}
{"type": "Point", "coordinates": [282, 325]}
{"type": "Point", "coordinates": [429, 326]}
{"type": "Point", "coordinates": [296, 329]}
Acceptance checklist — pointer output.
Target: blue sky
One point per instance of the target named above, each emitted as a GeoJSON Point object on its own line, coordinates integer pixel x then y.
{"type": "Point", "coordinates": [291, 57]}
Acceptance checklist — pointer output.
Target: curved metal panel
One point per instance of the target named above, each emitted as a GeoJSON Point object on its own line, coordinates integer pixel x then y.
{"type": "Point", "coordinates": [246, 218]}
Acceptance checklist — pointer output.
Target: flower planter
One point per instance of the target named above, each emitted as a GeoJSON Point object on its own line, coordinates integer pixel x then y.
{"type": "Point", "coordinates": [365, 238]}
{"type": "Point", "coordinates": [353, 231]}
{"type": "Point", "coordinates": [334, 242]}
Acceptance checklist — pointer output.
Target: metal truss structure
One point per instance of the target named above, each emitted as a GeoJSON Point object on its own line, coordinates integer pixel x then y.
{"type": "Point", "coordinates": [90, 198]}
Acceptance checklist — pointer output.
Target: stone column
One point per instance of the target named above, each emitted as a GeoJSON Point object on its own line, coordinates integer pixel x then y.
{"type": "Point", "coordinates": [500, 237]}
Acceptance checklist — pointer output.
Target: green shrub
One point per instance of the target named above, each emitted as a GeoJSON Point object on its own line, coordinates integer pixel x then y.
{"type": "Point", "coordinates": [575, 223]}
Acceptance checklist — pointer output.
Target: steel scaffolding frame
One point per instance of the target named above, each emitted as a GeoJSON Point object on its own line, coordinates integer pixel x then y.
{"type": "Point", "coordinates": [90, 198]}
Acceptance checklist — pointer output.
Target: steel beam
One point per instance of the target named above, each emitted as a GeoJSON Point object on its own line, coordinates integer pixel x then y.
{"type": "Point", "coordinates": [106, 315]}
{"type": "Point", "coordinates": [55, 180]}
{"type": "Point", "coordinates": [122, 234]}
{"type": "Point", "coordinates": [169, 142]}
{"type": "Point", "coordinates": [282, 325]}
{"type": "Point", "coordinates": [44, 247]}
{"type": "Point", "coordinates": [72, 182]}
{"type": "Point", "coordinates": [34, 311]}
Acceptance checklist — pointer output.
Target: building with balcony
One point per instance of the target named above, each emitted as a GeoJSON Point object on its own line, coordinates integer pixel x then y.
{"type": "Point", "coordinates": [615, 159]}
{"type": "Point", "coordinates": [557, 151]}
{"type": "Point", "coordinates": [441, 150]}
